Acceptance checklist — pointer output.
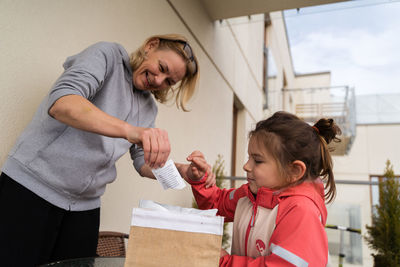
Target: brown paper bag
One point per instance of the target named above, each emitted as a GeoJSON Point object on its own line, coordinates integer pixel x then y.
{"type": "Point", "coordinates": [162, 238]}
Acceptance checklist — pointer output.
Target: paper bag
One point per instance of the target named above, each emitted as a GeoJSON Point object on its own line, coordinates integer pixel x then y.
{"type": "Point", "coordinates": [165, 238]}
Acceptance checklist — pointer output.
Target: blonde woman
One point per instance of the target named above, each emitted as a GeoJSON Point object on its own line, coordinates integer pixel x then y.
{"type": "Point", "coordinates": [101, 107]}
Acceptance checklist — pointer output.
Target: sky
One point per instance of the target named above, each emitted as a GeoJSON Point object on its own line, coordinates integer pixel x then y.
{"type": "Point", "coordinates": [357, 41]}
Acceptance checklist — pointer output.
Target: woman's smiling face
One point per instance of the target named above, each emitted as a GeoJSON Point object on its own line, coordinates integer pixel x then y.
{"type": "Point", "coordinates": [160, 70]}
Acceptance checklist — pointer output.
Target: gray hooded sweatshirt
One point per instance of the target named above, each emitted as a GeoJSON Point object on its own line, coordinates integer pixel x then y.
{"type": "Point", "coordinates": [70, 168]}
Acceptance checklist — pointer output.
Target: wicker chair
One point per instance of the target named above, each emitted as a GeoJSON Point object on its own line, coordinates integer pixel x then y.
{"type": "Point", "coordinates": [111, 244]}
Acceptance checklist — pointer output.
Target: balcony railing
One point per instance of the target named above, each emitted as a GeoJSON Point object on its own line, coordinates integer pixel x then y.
{"type": "Point", "coordinates": [337, 103]}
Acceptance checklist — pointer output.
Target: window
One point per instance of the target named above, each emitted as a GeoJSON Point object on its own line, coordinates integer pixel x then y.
{"type": "Point", "coordinates": [375, 180]}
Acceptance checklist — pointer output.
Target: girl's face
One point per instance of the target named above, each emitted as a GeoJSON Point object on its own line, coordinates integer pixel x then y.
{"type": "Point", "coordinates": [160, 70]}
{"type": "Point", "coordinates": [261, 168]}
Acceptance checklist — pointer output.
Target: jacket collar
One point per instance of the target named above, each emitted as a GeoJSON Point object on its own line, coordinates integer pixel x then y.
{"type": "Point", "coordinates": [269, 198]}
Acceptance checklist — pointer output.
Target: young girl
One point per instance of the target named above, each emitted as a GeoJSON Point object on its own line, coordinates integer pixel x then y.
{"type": "Point", "coordinates": [279, 215]}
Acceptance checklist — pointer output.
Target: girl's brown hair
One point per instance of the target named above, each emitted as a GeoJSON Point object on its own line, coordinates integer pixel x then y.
{"type": "Point", "coordinates": [186, 87]}
{"type": "Point", "coordinates": [288, 138]}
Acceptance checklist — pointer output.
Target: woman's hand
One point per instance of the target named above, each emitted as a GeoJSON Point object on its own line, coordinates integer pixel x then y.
{"type": "Point", "coordinates": [198, 168]}
{"type": "Point", "coordinates": [155, 144]}
{"type": "Point", "coordinates": [78, 112]}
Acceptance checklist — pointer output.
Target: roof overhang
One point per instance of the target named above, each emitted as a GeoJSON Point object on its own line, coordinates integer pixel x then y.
{"type": "Point", "coordinates": [224, 9]}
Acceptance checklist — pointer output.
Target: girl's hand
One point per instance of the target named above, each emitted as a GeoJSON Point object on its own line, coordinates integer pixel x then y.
{"type": "Point", "coordinates": [198, 168]}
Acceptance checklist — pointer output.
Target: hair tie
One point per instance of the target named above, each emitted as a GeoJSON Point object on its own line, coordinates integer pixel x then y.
{"type": "Point", "coordinates": [316, 129]}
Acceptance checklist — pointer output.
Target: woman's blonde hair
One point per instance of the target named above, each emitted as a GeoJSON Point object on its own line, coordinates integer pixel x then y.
{"type": "Point", "coordinates": [184, 90]}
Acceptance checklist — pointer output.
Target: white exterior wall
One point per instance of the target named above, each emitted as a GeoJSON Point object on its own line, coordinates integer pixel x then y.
{"type": "Point", "coordinates": [37, 36]}
{"type": "Point", "coordinates": [276, 42]}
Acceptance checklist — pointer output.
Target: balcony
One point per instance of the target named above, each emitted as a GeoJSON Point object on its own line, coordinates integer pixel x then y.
{"type": "Point", "coordinates": [337, 103]}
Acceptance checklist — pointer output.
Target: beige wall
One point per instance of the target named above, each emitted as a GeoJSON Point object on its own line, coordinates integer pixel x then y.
{"type": "Point", "coordinates": [373, 145]}
{"type": "Point", "coordinates": [37, 36]}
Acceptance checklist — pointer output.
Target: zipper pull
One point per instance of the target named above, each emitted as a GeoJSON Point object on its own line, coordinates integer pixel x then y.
{"type": "Point", "coordinates": [253, 217]}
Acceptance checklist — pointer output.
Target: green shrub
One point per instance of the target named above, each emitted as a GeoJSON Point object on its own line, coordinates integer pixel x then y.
{"type": "Point", "coordinates": [383, 236]}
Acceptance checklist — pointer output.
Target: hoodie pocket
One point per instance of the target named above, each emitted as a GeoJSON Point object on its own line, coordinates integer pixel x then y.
{"type": "Point", "coordinates": [71, 161]}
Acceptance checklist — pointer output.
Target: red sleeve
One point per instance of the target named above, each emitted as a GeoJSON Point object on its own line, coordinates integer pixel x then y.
{"type": "Point", "coordinates": [224, 200]}
{"type": "Point", "coordinates": [299, 239]}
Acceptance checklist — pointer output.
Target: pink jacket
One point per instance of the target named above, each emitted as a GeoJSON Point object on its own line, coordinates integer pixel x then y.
{"type": "Point", "coordinates": [276, 229]}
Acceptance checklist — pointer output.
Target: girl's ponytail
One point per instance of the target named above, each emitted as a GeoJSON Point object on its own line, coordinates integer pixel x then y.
{"type": "Point", "coordinates": [327, 131]}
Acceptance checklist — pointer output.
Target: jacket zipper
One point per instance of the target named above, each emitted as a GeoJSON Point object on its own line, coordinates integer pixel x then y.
{"type": "Point", "coordinates": [249, 226]}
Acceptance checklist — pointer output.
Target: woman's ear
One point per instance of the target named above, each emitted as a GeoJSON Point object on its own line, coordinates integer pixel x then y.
{"type": "Point", "coordinates": [298, 169]}
{"type": "Point", "coordinates": [152, 44]}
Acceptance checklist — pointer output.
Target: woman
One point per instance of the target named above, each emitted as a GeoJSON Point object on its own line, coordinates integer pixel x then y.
{"type": "Point", "coordinates": [99, 108]}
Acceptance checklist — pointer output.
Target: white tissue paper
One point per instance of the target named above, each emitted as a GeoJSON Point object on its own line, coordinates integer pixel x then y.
{"type": "Point", "coordinates": [149, 204]}
{"type": "Point", "coordinates": [155, 215]}
{"type": "Point", "coordinates": [168, 176]}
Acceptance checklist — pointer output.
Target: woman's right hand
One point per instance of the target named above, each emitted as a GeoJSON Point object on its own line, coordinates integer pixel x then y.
{"type": "Point", "coordinates": [78, 112]}
{"type": "Point", "coordinates": [155, 144]}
